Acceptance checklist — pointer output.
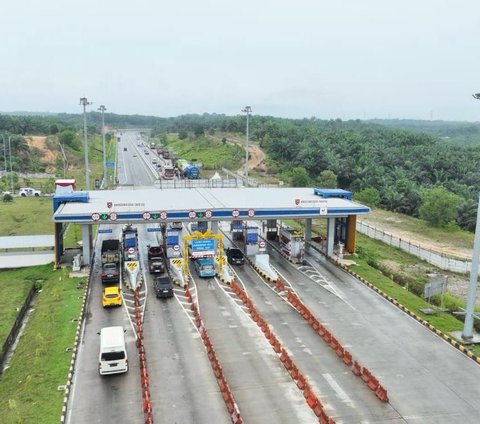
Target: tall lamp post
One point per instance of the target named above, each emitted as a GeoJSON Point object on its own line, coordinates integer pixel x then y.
{"type": "Point", "coordinates": [102, 110]}
{"type": "Point", "coordinates": [84, 102]}
{"type": "Point", "coordinates": [11, 169]}
{"type": "Point", "coordinates": [248, 111]}
{"type": "Point", "coordinates": [472, 285]}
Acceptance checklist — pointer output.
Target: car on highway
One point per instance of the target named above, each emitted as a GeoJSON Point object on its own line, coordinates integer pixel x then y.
{"type": "Point", "coordinates": [204, 267]}
{"type": "Point", "coordinates": [111, 297]}
{"type": "Point", "coordinates": [134, 155]}
{"type": "Point", "coordinates": [163, 287]}
{"type": "Point", "coordinates": [124, 149]}
{"type": "Point", "coordinates": [235, 256]}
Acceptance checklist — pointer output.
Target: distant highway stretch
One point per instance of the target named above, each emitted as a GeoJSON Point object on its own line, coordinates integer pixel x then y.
{"type": "Point", "coordinates": [427, 380]}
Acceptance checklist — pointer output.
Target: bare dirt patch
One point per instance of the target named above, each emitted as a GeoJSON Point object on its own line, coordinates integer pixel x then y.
{"type": "Point", "coordinates": [48, 156]}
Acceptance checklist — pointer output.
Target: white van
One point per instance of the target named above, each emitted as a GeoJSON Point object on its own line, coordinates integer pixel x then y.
{"type": "Point", "coordinates": [113, 352]}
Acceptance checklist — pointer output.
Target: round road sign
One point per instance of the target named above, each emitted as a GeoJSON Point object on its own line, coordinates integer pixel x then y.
{"type": "Point", "coordinates": [163, 215]}
{"type": "Point", "coordinates": [113, 216]}
{"type": "Point", "coordinates": [176, 247]}
{"type": "Point", "coordinates": [95, 216]}
{"type": "Point", "coordinates": [146, 215]}
{"type": "Point", "coordinates": [251, 212]}
{"type": "Point", "coordinates": [192, 214]}
{"type": "Point", "coordinates": [208, 213]}
{"type": "Point", "coordinates": [235, 213]}
{"type": "Point", "coordinates": [131, 250]}
{"type": "Point", "coordinates": [261, 243]}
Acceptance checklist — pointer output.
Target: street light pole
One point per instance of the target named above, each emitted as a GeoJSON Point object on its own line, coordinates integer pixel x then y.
{"type": "Point", "coordinates": [472, 285]}
{"type": "Point", "coordinates": [84, 102]}
{"type": "Point", "coordinates": [5, 155]}
{"type": "Point", "coordinates": [102, 109]}
{"type": "Point", "coordinates": [248, 111]}
{"type": "Point", "coordinates": [11, 169]}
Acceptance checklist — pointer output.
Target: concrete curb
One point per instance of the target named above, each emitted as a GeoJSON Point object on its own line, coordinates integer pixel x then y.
{"type": "Point", "coordinates": [73, 359]}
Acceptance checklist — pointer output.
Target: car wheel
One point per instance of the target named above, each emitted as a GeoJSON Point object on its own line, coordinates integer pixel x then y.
{"type": "Point", "coordinates": [23, 194]}
{"type": "Point", "coordinates": [36, 195]}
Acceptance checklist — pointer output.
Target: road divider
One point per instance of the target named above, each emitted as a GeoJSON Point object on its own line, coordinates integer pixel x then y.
{"type": "Point", "coordinates": [311, 398]}
{"type": "Point", "coordinates": [337, 347]}
{"type": "Point", "coordinates": [227, 394]}
{"type": "Point", "coordinates": [144, 380]}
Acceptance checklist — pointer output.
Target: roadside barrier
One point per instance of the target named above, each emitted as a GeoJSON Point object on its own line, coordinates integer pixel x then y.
{"type": "Point", "coordinates": [227, 395]}
{"type": "Point", "coordinates": [337, 347]}
{"type": "Point", "coordinates": [310, 397]}
{"type": "Point", "coordinates": [147, 404]}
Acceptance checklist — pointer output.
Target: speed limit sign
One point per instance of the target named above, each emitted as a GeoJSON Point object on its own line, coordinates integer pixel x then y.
{"type": "Point", "coordinates": [261, 243]}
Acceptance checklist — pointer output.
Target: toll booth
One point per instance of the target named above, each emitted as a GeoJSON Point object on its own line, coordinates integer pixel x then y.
{"type": "Point", "coordinates": [173, 243]}
{"type": "Point", "coordinates": [292, 244]}
{"type": "Point", "coordinates": [271, 229]}
{"type": "Point", "coordinates": [236, 228]}
{"type": "Point", "coordinates": [251, 236]}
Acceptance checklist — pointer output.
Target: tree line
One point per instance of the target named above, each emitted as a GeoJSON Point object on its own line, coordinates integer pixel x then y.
{"type": "Point", "coordinates": [413, 167]}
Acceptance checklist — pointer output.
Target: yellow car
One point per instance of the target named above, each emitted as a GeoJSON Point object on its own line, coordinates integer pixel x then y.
{"type": "Point", "coordinates": [111, 297]}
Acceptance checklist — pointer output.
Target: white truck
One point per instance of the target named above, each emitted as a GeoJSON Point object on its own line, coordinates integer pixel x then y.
{"type": "Point", "coordinates": [27, 191]}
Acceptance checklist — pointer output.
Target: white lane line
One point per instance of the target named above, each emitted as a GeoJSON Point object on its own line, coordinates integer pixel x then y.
{"type": "Point", "coordinates": [338, 390]}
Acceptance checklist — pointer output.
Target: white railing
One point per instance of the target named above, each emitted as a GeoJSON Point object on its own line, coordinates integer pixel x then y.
{"type": "Point", "coordinates": [439, 259]}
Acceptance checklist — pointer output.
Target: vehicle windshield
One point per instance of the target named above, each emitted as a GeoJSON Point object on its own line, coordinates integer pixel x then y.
{"type": "Point", "coordinates": [111, 295]}
{"type": "Point", "coordinates": [111, 266]}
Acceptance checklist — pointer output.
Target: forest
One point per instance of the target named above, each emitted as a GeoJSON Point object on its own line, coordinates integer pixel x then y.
{"type": "Point", "coordinates": [420, 168]}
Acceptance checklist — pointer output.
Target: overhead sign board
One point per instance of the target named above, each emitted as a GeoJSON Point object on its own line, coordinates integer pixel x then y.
{"type": "Point", "coordinates": [202, 247]}
{"type": "Point", "coordinates": [104, 230]}
{"type": "Point", "coordinates": [153, 229]}
{"type": "Point", "coordinates": [203, 244]}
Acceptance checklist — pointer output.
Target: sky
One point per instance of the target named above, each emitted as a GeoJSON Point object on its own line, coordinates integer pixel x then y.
{"type": "Point", "coordinates": [347, 59]}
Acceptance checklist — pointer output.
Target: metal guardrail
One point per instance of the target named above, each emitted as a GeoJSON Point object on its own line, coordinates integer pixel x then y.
{"type": "Point", "coordinates": [438, 259]}
{"type": "Point", "coordinates": [201, 183]}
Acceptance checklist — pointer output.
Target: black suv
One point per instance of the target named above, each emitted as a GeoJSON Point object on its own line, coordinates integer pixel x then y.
{"type": "Point", "coordinates": [235, 256]}
{"type": "Point", "coordinates": [163, 287]}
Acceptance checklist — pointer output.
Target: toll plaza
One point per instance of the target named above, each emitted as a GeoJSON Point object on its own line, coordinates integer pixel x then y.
{"type": "Point", "coordinates": [208, 206]}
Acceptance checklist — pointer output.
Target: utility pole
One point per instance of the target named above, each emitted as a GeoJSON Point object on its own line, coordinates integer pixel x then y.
{"type": "Point", "coordinates": [248, 111]}
{"type": "Point", "coordinates": [102, 110]}
{"type": "Point", "coordinates": [472, 285]}
{"type": "Point", "coordinates": [11, 169]}
{"type": "Point", "coordinates": [5, 155]}
{"type": "Point", "coordinates": [84, 102]}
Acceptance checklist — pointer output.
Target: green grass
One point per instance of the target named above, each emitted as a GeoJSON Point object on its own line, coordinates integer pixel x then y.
{"type": "Point", "coordinates": [454, 237]}
{"type": "Point", "coordinates": [28, 389]}
{"type": "Point", "coordinates": [14, 287]}
{"type": "Point", "coordinates": [212, 154]}
{"type": "Point", "coordinates": [26, 216]}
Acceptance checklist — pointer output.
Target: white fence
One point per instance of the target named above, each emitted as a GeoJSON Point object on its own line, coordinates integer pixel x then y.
{"type": "Point", "coordinates": [438, 259]}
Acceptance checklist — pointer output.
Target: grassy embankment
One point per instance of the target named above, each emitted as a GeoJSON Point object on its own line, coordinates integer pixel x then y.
{"type": "Point", "coordinates": [28, 389]}
{"type": "Point", "coordinates": [212, 154]}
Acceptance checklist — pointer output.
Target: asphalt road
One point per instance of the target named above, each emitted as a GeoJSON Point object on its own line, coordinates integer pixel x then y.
{"type": "Point", "coordinates": [428, 381]}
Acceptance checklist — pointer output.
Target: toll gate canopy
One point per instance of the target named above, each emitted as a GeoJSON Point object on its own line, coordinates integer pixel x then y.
{"type": "Point", "coordinates": [149, 205]}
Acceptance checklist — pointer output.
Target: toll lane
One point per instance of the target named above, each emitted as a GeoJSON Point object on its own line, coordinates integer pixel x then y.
{"type": "Point", "coordinates": [347, 397]}
{"type": "Point", "coordinates": [183, 387]}
{"type": "Point", "coordinates": [103, 399]}
{"type": "Point", "coordinates": [425, 377]}
{"type": "Point", "coordinates": [260, 384]}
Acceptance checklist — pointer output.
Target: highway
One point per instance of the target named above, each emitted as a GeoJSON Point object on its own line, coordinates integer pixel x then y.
{"type": "Point", "coordinates": [428, 381]}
